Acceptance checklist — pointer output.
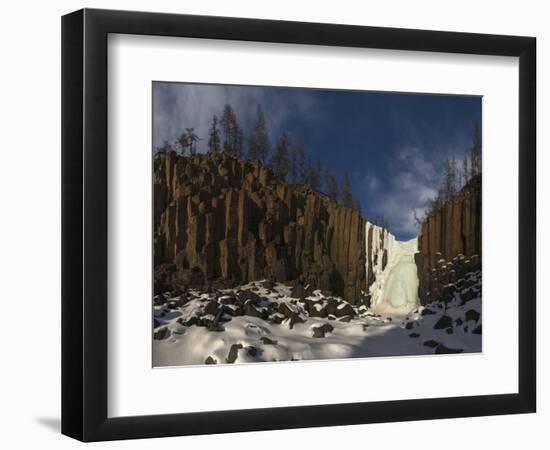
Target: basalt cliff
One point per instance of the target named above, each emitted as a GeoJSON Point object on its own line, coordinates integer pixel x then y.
{"type": "Point", "coordinates": [449, 245]}
{"type": "Point", "coordinates": [222, 221]}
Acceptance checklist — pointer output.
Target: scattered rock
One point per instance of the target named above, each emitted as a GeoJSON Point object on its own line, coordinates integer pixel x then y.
{"type": "Point", "coordinates": [233, 353]}
{"type": "Point", "coordinates": [409, 326]}
{"type": "Point", "coordinates": [211, 307]}
{"type": "Point", "coordinates": [266, 341]}
{"type": "Point", "coordinates": [472, 314]}
{"type": "Point", "coordinates": [276, 318]}
{"type": "Point", "coordinates": [346, 319]}
{"type": "Point", "coordinates": [251, 310]}
{"type": "Point", "coordinates": [161, 333]}
{"type": "Point", "coordinates": [173, 304]}
{"type": "Point", "coordinates": [210, 360]}
{"type": "Point", "coordinates": [414, 335]}
{"type": "Point", "coordinates": [291, 312]}
{"type": "Point", "coordinates": [477, 330]}
{"type": "Point", "coordinates": [251, 350]}
{"type": "Point", "coordinates": [233, 310]}
{"type": "Point", "coordinates": [443, 322]}
{"type": "Point", "coordinates": [159, 300]}
{"type": "Point", "coordinates": [190, 321]}
{"type": "Point", "coordinates": [180, 329]}
{"type": "Point", "coordinates": [427, 312]}
{"type": "Point", "coordinates": [449, 331]}
{"type": "Point", "coordinates": [227, 300]}
{"type": "Point", "coordinates": [267, 284]}
{"type": "Point", "coordinates": [319, 332]}
{"type": "Point", "coordinates": [317, 309]}
{"type": "Point", "coordinates": [468, 295]}
{"type": "Point", "coordinates": [344, 309]}
{"type": "Point", "coordinates": [431, 343]}
{"type": "Point", "coordinates": [248, 296]}
{"type": "Point", "coordinates": [441, 350]}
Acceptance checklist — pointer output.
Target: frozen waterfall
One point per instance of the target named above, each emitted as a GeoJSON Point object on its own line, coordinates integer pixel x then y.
{"type": "Point", "coordinates": [393, 272]}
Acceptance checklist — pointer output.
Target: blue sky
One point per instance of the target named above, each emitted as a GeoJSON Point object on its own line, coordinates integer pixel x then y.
{"type": "Point", "coordinates": [393, 145]}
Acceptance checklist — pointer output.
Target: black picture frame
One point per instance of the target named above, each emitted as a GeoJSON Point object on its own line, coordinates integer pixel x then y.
{"type": "Point", "coordinates": [84, 224]}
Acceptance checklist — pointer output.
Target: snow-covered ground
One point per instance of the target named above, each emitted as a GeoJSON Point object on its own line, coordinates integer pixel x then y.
{"type": "Point", "coordinates": [262, 322]}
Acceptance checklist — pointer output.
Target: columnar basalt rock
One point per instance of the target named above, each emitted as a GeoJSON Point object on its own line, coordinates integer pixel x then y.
{"type": "Point", "coordinates": [450, 242]}
{"type": "Point", "coordinates": [226, 221]}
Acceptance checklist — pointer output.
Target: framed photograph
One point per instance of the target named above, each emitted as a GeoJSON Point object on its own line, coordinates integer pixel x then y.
{"type": "Point", "coordinates": [273, 225]}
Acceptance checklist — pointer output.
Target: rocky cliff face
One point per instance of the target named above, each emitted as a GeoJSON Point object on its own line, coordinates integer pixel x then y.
{"type": "Point", "coordinates": [450, 242]}
{"type": "Point", "coordinates": [223, 221]}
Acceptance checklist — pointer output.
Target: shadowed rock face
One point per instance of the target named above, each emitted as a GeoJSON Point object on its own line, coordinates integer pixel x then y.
{"type": "Point", "coordinates": [450, 242]}
{"type": "Point", "coordinates": [224, 221]}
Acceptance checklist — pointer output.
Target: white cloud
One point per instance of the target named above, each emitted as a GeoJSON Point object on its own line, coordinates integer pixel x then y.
{"type": "Point", "coordinates": [181, 105]}
{"type": "Point", "coordinates": [412, 187]}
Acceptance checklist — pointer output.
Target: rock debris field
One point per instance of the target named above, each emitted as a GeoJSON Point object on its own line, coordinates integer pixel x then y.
{"type": "Point", "coordinates": [263, 321]}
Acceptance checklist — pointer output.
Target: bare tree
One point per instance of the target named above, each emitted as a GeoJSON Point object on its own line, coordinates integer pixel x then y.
{"type": "Point", "coordinates": [183, 142]}
{"type": "Point", "coordinates": [258, 147]}
{"type": "Point", "coordinates": [280, 160]}
{"type": "Point", "coordinates": [346, 192]}
{"type": "Point", "coordinates": [356, 203]}
{"type": "Point", "coordinates": [162, 149]}
{"type": "Point", "coordinates": [475, 152]}
{"type": "Point", "coordinates": [301, 163]}
{"type": "Point", "coordinates": [192, 140]}
{"type": "Point", "coordinates": [232, 133]}
{"type": "Point", "coordinates": [465, 169]}
{"type": "Point", "coordinates": [331, 184]}
{"type": "Point", "coordinates": [313, 174]}
{"type": "Point", "coordinates": [214, 140]}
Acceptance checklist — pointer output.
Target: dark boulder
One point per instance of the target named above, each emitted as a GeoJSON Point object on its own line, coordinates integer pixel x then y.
{"type": "Point", "coordinates": [468, 295]}
{"type": "Point", "coordinates": [248, 296]}
{"type": "Point", "coordinates": [235, 311]}
{"type": "Point", "coordinates": [159, 300]}
{"type": "Point", "coordinates": [443, 322]}
{"type": "Point", "coordinates": [276, 318]}
{"type": "Point", "coordinates": [190, 321]}
{"type": "Point", "coordinates": [344, 309]}
{"type": "Point", "coordinates": [268, 284]}
{"type": "Point", "coordinates": [211, 307]}
{"type": "Point", "coordinates": [161, 333]}
{"type": "Point", "coordinates": [442, 350]}
{"type": "Point", "coordinates": [317, 309]}
{"type": "Point", "coordinates": [319, 332]}
{"type": "Point", "coordinates": [251, 310]}
{"type": "Point", "coordinates": [227, 300]}
{"type": "Point", "coordinates": [233, 353]}
{"type": "Point", "coordinates": [472, 314]}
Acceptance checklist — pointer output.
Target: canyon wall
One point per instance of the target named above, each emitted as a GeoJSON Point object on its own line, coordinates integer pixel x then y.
{"type": "Point", "coordinates": [449, 244]}
{"type": "Point", "coordinates": [222, 221]}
